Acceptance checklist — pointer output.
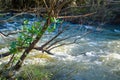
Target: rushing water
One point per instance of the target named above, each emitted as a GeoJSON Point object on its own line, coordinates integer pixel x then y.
{"type": "Point", "coordinates": [95, 57]}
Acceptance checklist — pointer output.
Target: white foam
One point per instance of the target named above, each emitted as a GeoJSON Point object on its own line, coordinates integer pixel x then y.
{"type": "Point", "coordinates": [89, 27]}
{"type": "Point", "coordinates": [90, 53]}
{"type": "Point", "coordinates": [114, 56]}
{"type": "Point", "coordinates": [4, 50]}
{"type": "Point", "coordinates": [115, 30]}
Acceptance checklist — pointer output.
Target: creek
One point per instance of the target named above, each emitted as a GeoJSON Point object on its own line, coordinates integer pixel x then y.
{"type": "Point", "coordinates": [95, 57]}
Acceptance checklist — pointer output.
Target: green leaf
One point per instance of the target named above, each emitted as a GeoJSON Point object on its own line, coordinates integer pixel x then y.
{"type": "Point", "coordinates": [25, 22]}
{"type": "Point", "coordinates": [24, 28]}
{"type": "Point", "coordinates": [13, 44]}
{"type": "Point", "coordinates": [51, 29]}
{"type": "Point", "coordinates": [59, 21]}
{"type": "Point", "coordinates": [13, 48]}
{"type": "Point", "coordinates": [37, 24]}
{"type": "Point", "coordinates": [53, 19]}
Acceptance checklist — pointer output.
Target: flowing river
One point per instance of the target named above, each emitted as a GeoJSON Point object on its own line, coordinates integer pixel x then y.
{"type": "Point", "coordinates": [96, 56]}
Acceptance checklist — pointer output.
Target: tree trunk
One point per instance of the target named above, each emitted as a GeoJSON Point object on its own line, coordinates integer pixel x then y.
{"type": "Point", "coordinates": [26, 52]}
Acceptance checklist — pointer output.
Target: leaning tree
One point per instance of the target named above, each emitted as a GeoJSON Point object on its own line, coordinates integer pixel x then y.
{"type": "Point", "coordinates": [29, 36]}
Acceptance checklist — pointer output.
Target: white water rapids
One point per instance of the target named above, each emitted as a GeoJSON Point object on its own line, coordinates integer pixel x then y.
{"type": "Point", "coordinates": [95, 57]}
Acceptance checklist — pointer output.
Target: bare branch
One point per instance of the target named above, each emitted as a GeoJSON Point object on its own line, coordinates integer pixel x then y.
{"type": "Point", "coordinates": [89, 14]}
{"type": "Point", "coordinates": [5, 54]}
{"type": "Point", "coordinates": [60, 40]}
{"type": "Point", "coordinates": [37, 48]}
{"type": "Point", "coordinates": [74, 42]}
{"type": "Point", "coordinates": [67, 8]}
{"type": "Point", "coordinates": [11, 33]}
{"type": "Point", "coordinates": [59, 33]}
{"type": "Point", "coordinates": [3, 35]}
{"type": "Point", "coordinates": [9, 19]}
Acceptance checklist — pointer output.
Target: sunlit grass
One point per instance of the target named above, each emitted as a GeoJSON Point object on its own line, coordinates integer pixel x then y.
{"type": "Point", "coordinates": [34, 72]}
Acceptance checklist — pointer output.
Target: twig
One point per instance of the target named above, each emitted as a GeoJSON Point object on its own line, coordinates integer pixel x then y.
{"type": "Point", "coordinates": [5, 54]}
{"type": "Point", "coordinates": [65, 9]}
{"type": "Point", "coordinates": [12, 17]}
{"type": "Point", "coordinates": [14, 32]}
{"type": "Point", "coordinates": [60, 40]}
{"type": "Point", "coordinates": [37, 48]}
{"type": "Point", "coordinates": [2, 35]}
{"type": "Point", "coordinates": [89, 14]}
{"type": "Point", "coordinates": [74, 42]}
